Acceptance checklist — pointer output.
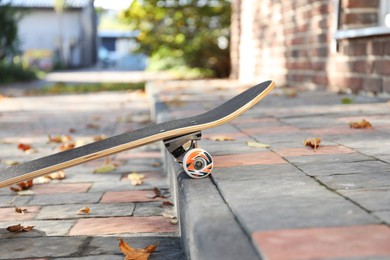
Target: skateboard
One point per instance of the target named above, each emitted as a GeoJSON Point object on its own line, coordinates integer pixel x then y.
{"type": "Point", "coordinates": [179, 136]}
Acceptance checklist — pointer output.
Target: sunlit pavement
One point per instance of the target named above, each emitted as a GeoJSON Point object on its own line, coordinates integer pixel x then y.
{"type": "Point", "coordinates": [117, 208]}
{"type": "Point", "coordinates": [286, 201]}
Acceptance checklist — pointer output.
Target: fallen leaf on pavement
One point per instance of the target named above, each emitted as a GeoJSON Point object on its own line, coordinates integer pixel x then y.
{"type": "Point", "coordinates": [221, 138]}
{"type": "Point", "coordinates": [26, 193]}
{"type": "Point", "coordinates": [360, 124]}
{"type": "Point", "coordinates": [99, 137]}
{"type": "Point", "coordinates": [59, 138]}
{"type": "Point", "coordinates": [19, 228]}
{"type": "Point", "coordinates": [83, 210]}
{"type": "Point", "coordinates": [60, 175]}
{"type": "Point", "coordinates": [159, 194]}
{"type": "Point", "coordinates": [172, 219]}
{"type": "Point", "coordinates": [136, 178]}
{"type": "Point", "coordinates": [26, 148]}
{"type": "Point", "coordinates": [20, 210]}
{"type": "Point", "coordinates": [67, 146]}
{"type": "Point", "coordinates": [92, 126]}
{"type": "Point", "coordinates": [136, 253]}
{"type": "Point", "coordinates": [23, 186]}
{"type": "Point", "coordinates": [312, 142]}
{"type": "Point", "coordinates": [256, 144]}
{"type": "Point", "coordinates": [167, 203]}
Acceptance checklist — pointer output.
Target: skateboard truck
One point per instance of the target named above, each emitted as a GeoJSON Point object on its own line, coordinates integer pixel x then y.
{"type": "Point", "coordinates": [196, 162]}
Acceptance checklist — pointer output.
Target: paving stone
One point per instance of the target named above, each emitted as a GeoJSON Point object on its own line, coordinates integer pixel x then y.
{"type": "Point", "coordinates": [121, 225]}
{"type": "Point", "coordinates": [254, 172]}
{"type": "Point", "coordinates": [118, 186]}
{"type": "Point", "coordinates": [356, 181]}
{"type": "Point", "coordinates": [128, 196]}
{"type": "Point", "coordinates": [325, 243]}
{"type": "Point", "coordinates": [289, 202]}
{"type": "Point", "coordinates": [9, 214]}
{"type": "Point", "coordinates": [283, 129]}
{"type": "Point", "coordinates": [150, 209]}
{"type": "Point", "coordinates": [97, 210]}
{"type": "Point", "coordinates": [42, 228]}
{"type": "Point", "coordinates": [371, 199]}
{"type": "Point", "coordinates": [95, 257]}
{"type": "Point", "coordinates": [383, 215]}
{"type": "Point", "coordinates": [312, 121]}
{"type": "Point", "coordinates": [309, 151]}
{"type": "Point", "coordinates": [51, 188]}
{"type": "Point", "coordinates": [328, 158]}
{"type": "Point", "coordinates": [14, 200]}
{"type": "Point", "coordinates": [37, 248]}
{"type": "Point", "coordinates": [223, 161]}
{"type": "Point", "coordinates": [168, 248]}
{"type": "Point", "coordinates": [65, 198]}
{"type": "Point", "coordinates": [229, 147]}
{"type": "Point", "coordinates": [367, 167]}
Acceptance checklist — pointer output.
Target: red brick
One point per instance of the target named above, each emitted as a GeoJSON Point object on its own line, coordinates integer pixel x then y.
{"type": "Point", "coordinates": [309, 151]}
{"type": "Point", "coordinates": [325, 243]}
{"type": "Point", "coordinates": [337, 130]}
{"type": "Point", "coordinates": [360, 3]}
{"type": "Point", "coordinates": [127, 196]}
{"type": "Point", "coordinates": [121, 225]}
{"type": "Point", "coordinates": [9, 214]}
{"type": "Point", "coordinates": [247, 159]}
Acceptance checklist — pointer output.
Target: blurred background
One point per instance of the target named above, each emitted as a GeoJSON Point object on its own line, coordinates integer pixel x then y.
{"type": "Point", "coordinates": [341, 45]}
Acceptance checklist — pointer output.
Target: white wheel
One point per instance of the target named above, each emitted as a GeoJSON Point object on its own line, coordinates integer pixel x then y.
{"type": "Point", "coordinates": [197, 163]}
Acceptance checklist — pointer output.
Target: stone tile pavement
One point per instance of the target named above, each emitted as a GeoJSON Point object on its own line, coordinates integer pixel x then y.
{"type": "Point", "coordinates": [286, 201]}
{"type": "Point", "coordinates": [117, 208]}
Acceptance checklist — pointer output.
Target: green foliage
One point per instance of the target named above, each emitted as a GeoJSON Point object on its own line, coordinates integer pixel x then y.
{"type": "Point", "coordinates": [63, 88]}
{"type": "Point", "coordinates": [10, 73]}
{"type": "Point", "coordinates": [192, 32]}
{"type": "Point", "coordinates": [8, 30]}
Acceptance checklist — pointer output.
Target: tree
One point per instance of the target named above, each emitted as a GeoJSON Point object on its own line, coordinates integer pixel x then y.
{"type": "Point", "coordinates": [8, 30]}
{"type": "Point", "coordinates": [193, 31]}
{"type": "Point", "coordinates": [59, 6]}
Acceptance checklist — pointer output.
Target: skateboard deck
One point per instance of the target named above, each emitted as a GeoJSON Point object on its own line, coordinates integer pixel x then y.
{"type": "Point", "coordinates": [173, 132]}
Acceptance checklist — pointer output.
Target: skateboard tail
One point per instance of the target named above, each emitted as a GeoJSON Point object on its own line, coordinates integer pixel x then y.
{"type": "Point", "coordinates": [216, 117]}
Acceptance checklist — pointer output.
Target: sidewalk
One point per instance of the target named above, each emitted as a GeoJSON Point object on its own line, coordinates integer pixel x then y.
{"type": "Point", "coordinates": [285, 201]}
{"type": "Point", "coordinates": [117, 208]}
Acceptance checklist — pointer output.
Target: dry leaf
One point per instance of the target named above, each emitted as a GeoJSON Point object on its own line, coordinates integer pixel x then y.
{"type": "Point", "coordinates": [67, 146]}
{"type": "Point", "coordinates": [60, 138]}
{"type": "Point", "coordinates": [20, 210]}
{"type": "Point", "coordinates": [158, 194]}
{"type": "Point", "coordinates": [156, 164]}
{"type": "Point", "coordinates": [221, 138]}
{"type": "Point", "coordinates": [256, 144]}
{"type": "Point", "coordinates": [84, 210]}
{"type": "Point", "coordinates": [23, 186]}
{"type": "Point", "coordinates": [99, 137]}
{"type": "Point", "coordinates": [312, 142]}
{"type": "Point", "coordinates": [172, 219]}
{"type": "Point", "coordinates": [60, 175]}
{"type": "Point", "coordinates": [72, 130]}
{"type": "Point", "coordinates": [136, 179]}
{"type": "Point", "coordinates": [24, 147]}
{"type": "Point", "coordinates": [19, 228]}
{"type": "Point", "coordinates": [360, 124]}
{"type": "Point", "coordinates": [167, 203]}
{"type": "Point", "coordinates": [136, 253]}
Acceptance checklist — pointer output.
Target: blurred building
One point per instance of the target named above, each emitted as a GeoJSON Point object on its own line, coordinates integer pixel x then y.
{"type": "Point", "coordinates": [45, 36]}
{"type": "Point", "coordinates": [334, 44]}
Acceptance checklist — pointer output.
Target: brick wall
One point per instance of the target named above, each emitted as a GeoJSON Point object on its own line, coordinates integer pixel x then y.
{"type": "Point", "coordinates": [292, 42]}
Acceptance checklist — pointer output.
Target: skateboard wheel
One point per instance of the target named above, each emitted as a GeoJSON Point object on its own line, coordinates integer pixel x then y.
{"type": "Point", "coordinates": [197, 163]}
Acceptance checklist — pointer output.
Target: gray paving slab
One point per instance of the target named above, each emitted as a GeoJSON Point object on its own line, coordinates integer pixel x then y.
{"type": "Point", "coordinates": [357, 181]}
{"type": "Point", "coordinates": [328, 158]}
{"type": "Point", "coordinates": [149, 209]}
{"type": "Point", "coordinates": [383, 215]}
{"type": "Point", "coordinates": [168, 248]}
{"type": "Point", "coordinates": [69, 211]}
{"type": "Point", "coordinates": [42, 228]}
{"type": "Point", "coordinates": [19, 248]}
{"type": "Point", "coordinates": [368, 167]}
{"type": "Point", "coordinates": [290, 206]}
{"type": "Point", "coordinates": [371, 199]}
{"type": "Point", "coordinates": [65, 198]}
{"type": "Point", "coordinates": [11, 200]}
